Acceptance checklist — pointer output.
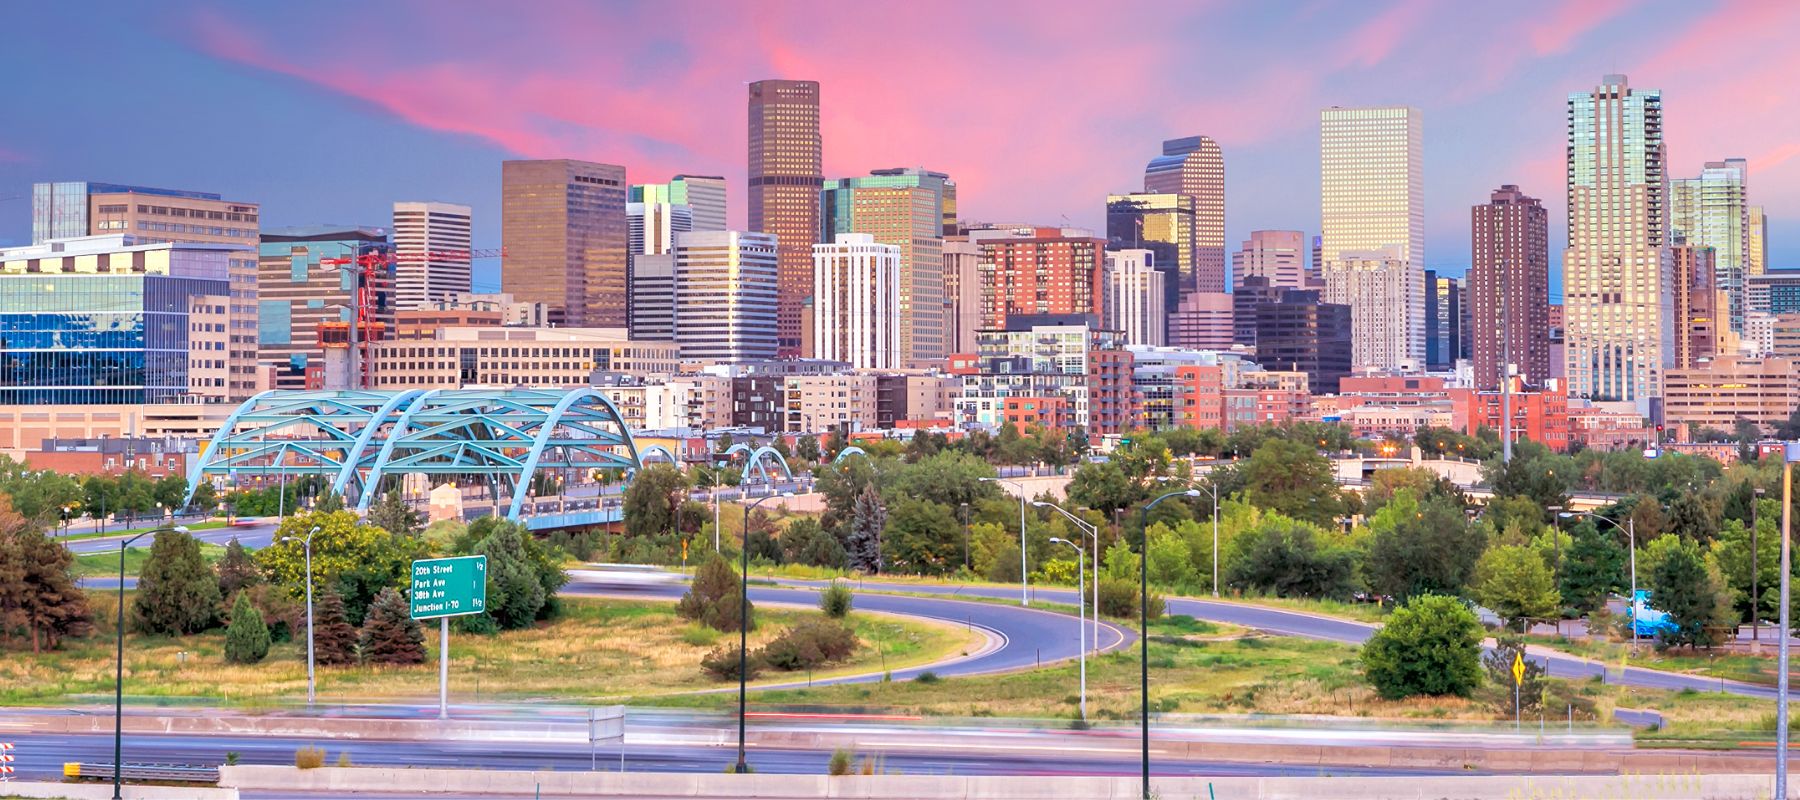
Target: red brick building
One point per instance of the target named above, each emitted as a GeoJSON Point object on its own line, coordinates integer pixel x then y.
{"type": "Point", "coordinates": [1053, 271]}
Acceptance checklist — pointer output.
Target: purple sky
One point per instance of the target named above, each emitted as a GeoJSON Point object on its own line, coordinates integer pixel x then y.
{"type": "Point", "coordinates": [330, 111]}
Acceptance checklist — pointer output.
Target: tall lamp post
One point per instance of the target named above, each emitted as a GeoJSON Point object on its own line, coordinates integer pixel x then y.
{"type": "Point", "coordinates": [1093, 534]}
{"type": "Point", "coordinates": [1213, 490]}
{"type": "Point", "coordinates": [307, 543]}
{"type": "Point", "coordinates": [1630, 529]}
{"type": "Point", "coordinates": [1024, 579]}
{"type": "Point", "coordinates": [119, 664]}
{"type": "Point", "coordinates": [1080, 621]}
{"type": "Point", "coordinates": [1144, 622]}
{"type": "Point", "coordinates": [744, 631]}
{"type": "Point", "coordinates": [1755, 591]}
{"type": "Point", "coordinates": [1790, 453]}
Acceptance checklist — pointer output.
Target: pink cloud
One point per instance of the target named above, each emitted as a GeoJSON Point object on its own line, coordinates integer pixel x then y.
{"type": "Point", "coordinates": [1374, 41]}
{"type": "Point", "coordinates": [1557, 31]}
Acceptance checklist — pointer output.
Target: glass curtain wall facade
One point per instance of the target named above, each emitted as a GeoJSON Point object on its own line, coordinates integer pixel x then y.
{"type": "Point", "coordinates": [1713, 211]}
{"type": "Point", "coordinates": [1194, 166]}
{"type": "Point", "coordinates": [1162, 224]}
{"type": "Point", "coordinates": [786, 170]}
{"type": "Point", "coordinates": [904, 208]}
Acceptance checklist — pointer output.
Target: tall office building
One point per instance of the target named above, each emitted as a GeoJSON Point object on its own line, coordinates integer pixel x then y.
{"type": "Point", "coordinates": [431, 253]}
{"type": "Point", "coordinates": [653, 297]}
{"type": "Point", "coordinates": [1194, 166]}
{"type": "Point", "coordinates": [856, 302]}
{"type": "Point", "coordinates": [1164, 225]}
{"type": "Point", "coordinates": [564, 226]}
{"type": "Point", "coordinates": [1509, 287]}
{"type": "Point", "coordinates": [306, 301]}
{"type": "Point", "coordinates": [1044, 271]}
{"type": "Point", "coordinates": [1776, 292]}
{"type": "Point", "coordinates": [725, 296]}
{"type": "Point", "coordinates": [1299, 333]}
{"type": "Point", "coordinates": [80, 208]}
{"type": "Point", "coordinates": [1133, 297]}
{"type": "Point", "coordinates": [1371, 195]}
{"type": "Point", "coordinates": [1203, 321]}
{"type": "Point", "coordinates": [1251, 291]}
{"type": "Point", "coordinates": [1617, 273]}
{"type": "Point", "coordinates": [1713, 210]}
{"type": "Point", "coordinates": [1444, 316]}
{"type": "Point", "coordinates": [650, 228]}
{"type": "Point", "coordinates": [1697, 298]}
{"type": "Point", "coordinates": [904, 208]}
{"type": "Point", "coordinates": [1756, 262]}
{"type": "Point", "coordinates": [785, 175]}
{"type": "Point", "coordinates": [704, 195]}
{"type": "Point", "coordinates": [1386, 296]}
{"type": "Point", "coordinates": [1279, 256]}
{"type": "Point", "coordinates": [962, 293]}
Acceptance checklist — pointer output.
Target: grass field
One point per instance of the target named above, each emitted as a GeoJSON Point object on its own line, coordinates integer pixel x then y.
{"type": "Point", "coordinates": [192, 526]}
{"type": "Point", "coordinates": [106, 564]}
{"type": "Point", "coordinates": [1718, 664]}
{"type": "Point", "coordinates": [597, 649]}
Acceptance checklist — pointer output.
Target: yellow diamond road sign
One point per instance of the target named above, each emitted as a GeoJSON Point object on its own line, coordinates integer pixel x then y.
{"type": "Point", "coordinates": [1518, 668]}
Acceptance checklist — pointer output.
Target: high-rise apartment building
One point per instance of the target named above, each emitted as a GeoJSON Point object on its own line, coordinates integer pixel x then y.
{"type": "Point", "coordinates": [785, 173]}
{"type": "Point", "coordinates": [307, 299]}
{"type": "Point", "coordinates": [1279, 256]}
{"type": "Point", "coordinates": [704, 195]}
{"type": "Point", "coordinates": [1617, 272]}
{"type": "Point", "coordinates": [80, 208]}
{"type": "Point", "coordinates": [856, 302]}
{"type": "Point", "coordinates": [1386, 296]}
{"type": "Point", "coordinates": [1194, 166]}
{"type": "Point", "coordinates": [1371, 193]}
{"type": "Point", "coordinates": [1756, 262]}
{"type": "Point", "coordinates": [1509, 287]}
{"type": "Point", "coordinates": [1133, 297]}
{"type": "Point", "coordinates": [962, 293]}
{"type": "Point", "coordinates": [1696, 303]}
{"type": "Point", "coordinates": [725, 296]}
{"type": "Point", "coordinates": [1047, 271]}
{"type": "Point", "coordinates": [1713, 210]}
{"type": "Point", "coordinates": [1164, 225]}
{"type": "Point", "coordinates": [431, 253]}
{"type": "Point", "coordinates": [904, 208]}
{"type": "Point", "coordinates": [564, 226]}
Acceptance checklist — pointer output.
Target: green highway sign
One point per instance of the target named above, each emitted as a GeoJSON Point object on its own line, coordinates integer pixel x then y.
{"type": "Point", "coordinates": [449, 587]}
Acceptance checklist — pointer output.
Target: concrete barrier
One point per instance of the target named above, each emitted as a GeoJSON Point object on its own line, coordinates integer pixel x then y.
{"type": "Point", "coordinates": [352, 780]}
{"type": "Point", "coordinates": [103, 791]}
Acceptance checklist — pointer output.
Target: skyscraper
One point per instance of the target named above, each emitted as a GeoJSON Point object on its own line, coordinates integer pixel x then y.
{"type": "Point", "coordinates": [904, 208]}
{"type": "Point", "coordinates": [1713, 210]}
{"type": "Point", "coordinates": [1443, 321]}
{"type": "Point", "coordinates": [1279, 256]}
{"type": "Point", "coordinates": [564, 226]}
{"type": "Point", "coordinates": [1302, 334]}
{"type": "Point", "coordinates": [785, 175]}
{"type": "Point", "coordinates": [1133, 301]}
{"type": "Point", "coordinates": [1371, 195]}
{"type": "Point", "coordinates": [1048, 271]}
{"type": "Point", "coordinates": [1386, 296]}
{"type": "Point", "coordinates": [1618, 307]}
{"type": "Point", "coordinates": [1756, 262]}
{"type": "Point", "coordinates": [725, 290]}
{"type": "Point", "coordinates": [1696, 303]}
{"type": "Point", "coordinates": [1164, 225]}
{"type": "Point", "coordinates": [1509, 287]}
{"type": "Point", "coordinates": [1194, 166]}
{"type": "Point", "coordinates": [856, 302]}
{"type": "Point", "coordinates": [704, 195]}
{"type": "Point", "coordinates": [962, 293]}
{"type": "Point", "coordinates": [431, 253]}
{"type": "Point", "coordinates": [307, 305]}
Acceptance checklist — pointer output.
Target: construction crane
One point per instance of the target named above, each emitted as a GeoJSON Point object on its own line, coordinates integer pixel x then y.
{"type": "Point", "coordinates": [367, 279]}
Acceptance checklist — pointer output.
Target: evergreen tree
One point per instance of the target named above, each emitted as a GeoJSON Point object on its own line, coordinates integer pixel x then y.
{"type": "Point", "coordinates": [177, 593]}
{"type": "Point", "coordinates": [36, 593]}
{"type": "Point", "coordinates": [514, 593]}
{"type": "Point", "coordinates": [236, 570]}
{"type": "Point", "coordinates": [713, 598]}
{"type": "Point", "coordinates": [1683, 586]}
{"type": "Point", "coordinates": [390, 635]}
{"type": "Point", "coordinates": [246, 638]}
{"type": "Point", "coordinates": [868, 518]}
{"type": "Point", "coordinates": [334, 640]}
{"type": "Point", "coordinates": [396, 516]}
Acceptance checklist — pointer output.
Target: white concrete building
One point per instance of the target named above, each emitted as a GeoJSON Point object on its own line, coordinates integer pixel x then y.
{"type": "Point", "coordinates": [1132, 298]}
{"type": "Point", "coordinates": [1386, 296]}
{"type": "Point", "coordinates": [856, 302]}
{"type": "Point", "coordinates": [431, 253]}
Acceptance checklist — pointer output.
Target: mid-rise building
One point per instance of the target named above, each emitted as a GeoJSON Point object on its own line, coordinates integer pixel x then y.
{"type": "Point", "coordinates": [704, 195]}
{"type": "Point", "coordinates": [1203, 321]}
{"type": "Point", "coordinates": [904, 208]}
{"type": "Point", "coordinates": [1162, 224]}
{"type": "Point", "coordinates": [1718, 393]}
{"type": "Point", "coordinates": [786, 172]}
{"type": "Point", "coordinates": [1194, 166]}
{"type": "Point", "coordinates": [725, 296]}
{"type": "Point", "coordinates": [857, 302]}
{"type": "Point", "coordinates": [1278, 256]}
{"type": "Point", "coordinates": [1509, 287]}
{"type": "Point", "coordinates": [1759, 334]}
{"type": "Point", "coordinates": [1618, 293]}
{"type": "Point", "coordinates": [1713, 211]}
{"type": "Point", "coordinates": [1299, 333]}
{"type": "Point", "coordinates": [962, 293]}
{"type": "Point", "coordinates": [1050, 356]}
{"type": "Point", "coordinates": [1784, 337]}
{"type": "Point", "coordinates": [307, 290]}
{"type": "Point", "coordinates": [499, 356]}
{"type": "Point", "coordinates": [1371, 191]}
{"type": "Point", "coordinates": [431, 253]}
{"type": "Point", "coordinates": [819, 403]}
{"type": "Point", "coordinates": [512, 311]}
{"type": "Point", "coordinates": [1133, 297]}
{"type": "Point", "coordinates": [1696, 303]}
{"type": "Point", "coordinates": [1386, 296]}
{"type": "Point", "coordinates": [1252, 291]}
{"type": "Point", "coordinates": [1043, 271]}
{"type": "Point", "coordinates": [1446, 321]}
{"type": "Point", "coordinates": [563, 222]}
{"type": "Point", "coordinates": [1776, 291]}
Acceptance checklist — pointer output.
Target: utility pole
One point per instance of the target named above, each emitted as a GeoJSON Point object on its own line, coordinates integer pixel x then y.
{"type": "Point", "coordinates": [1505, 376]}
{"type": "Point", "coordinates": [1790, 454]}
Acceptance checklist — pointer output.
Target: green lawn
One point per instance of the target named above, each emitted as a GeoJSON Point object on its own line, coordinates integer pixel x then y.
{"type": "Point", "coordinates": [106, 564]}
{"type": "Point", "coordinates": [192, 526]}
{"type": "Point", "coordinates": [1731, 665]}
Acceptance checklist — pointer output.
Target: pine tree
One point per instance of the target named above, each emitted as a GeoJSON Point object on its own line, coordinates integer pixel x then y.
{"type": "Point", "coordinates": [177, 592]}
{"type": "Point", "coordinates": [868, 518]}
{"type": "Point", "coordinates": [236, 570]}
{"type": "Point", "coordinates": [334, 641]}
{"type": "Point", "coordinates": [36, 592]}
{"type": "Point", "coordinates": [396, 516]}
{"type": "Point", "coordinates": [390, 635]}
{"type": "Point", "coordinates": [247, 638]}
{"type": "Point", "coordinates": [514, 593]}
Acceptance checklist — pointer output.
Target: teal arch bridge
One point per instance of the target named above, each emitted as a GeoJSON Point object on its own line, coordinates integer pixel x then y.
{"type": "Point", "coordinates": [512, 445]}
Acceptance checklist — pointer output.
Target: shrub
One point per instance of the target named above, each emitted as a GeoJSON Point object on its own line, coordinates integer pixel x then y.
{"type": "Point", "coordinates": [699, 635]}
{"type": "Point", "coordinates": [835, 601]}
{"type": "Point", "coordinates": [1120, 599]}
{"type": "Point", "coordinates": [927, 677]}
{"type": "Point", "coordinates": [713, 598]}
{"type": "Point", "coordinates": [344, 759]}
{"type": "Point", "coordinates": [247, 638]}
{"type": "Point", "coordinates": [309, 757]}
{"type": "Point", "coordinates": [390, 635]}
{"type": "Point", "coordinates": [231, 757]}
{"type": "Point", "coordinates": [1430, 646]}
{"type": "Point", "coordinates": [722, 663]}
{"type": "Point", "coordinates": [840, 762]}
{"type": "Point", "coordinates": [810, 643]}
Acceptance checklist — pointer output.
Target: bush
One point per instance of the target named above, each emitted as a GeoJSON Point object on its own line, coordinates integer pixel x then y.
{"type": "Point", "coordinates": [808, 644]}
{"type": "Point", "coordinates": [840, 762]}
{"type": "Point", "coordinates": [282, 612]}
{"type": "Point", "coordinates": [714, 596]}
{"type": "Point", "coordinates": [1120, 599]}
{"type": "Point", "coordinates": [722, 663]}
{"type": "Point", "coordinates": [344, 759]}
{"type": "Point", "coordinates": [247, 638]}
{"type": "Point", "coordinates": [309, 757]}
{"type": "Point", "coordinates": [177, 593]}
{"type": "Point", "coordinates": [927, 677]}
{"type": "Point", "coordinates": [699, 635]}
{"type": "Point", "coordinates": [835, 601]}
{"type": "Point", "coordinates": [1430, 646]}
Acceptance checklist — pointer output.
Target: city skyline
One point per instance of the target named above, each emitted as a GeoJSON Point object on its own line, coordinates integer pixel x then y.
{"type": "Point", "coordinates": [433, 115]}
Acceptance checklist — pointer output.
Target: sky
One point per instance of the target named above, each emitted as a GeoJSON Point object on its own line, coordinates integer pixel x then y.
{"type": "Point", "coordinates": [328, 111]}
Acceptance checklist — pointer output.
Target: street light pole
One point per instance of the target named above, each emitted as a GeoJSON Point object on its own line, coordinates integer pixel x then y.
{"type": "Point", "coordinates": [307, 544]}
{"type": "Point", "coordinates": [743, 766]}
{"type": "Point", "coordinates": [1755, 594]}
{"type": "Point", "coordinates": [119, 664]}
{"type": "Point", "coordinates": [1024, 576]}
{"type": "Point", "coordinates": [1790, 454]}
{"type": "Point", "coordinates": [1093, 532]}
{"type": "Point", "coordinates": [1080, 620]}
{"type": "Point", "coordinates": [1630, 529]}
{"type": "Point", "coordinates": [1213, 489]}
{"type": "Point", "coordinates": [1144, 623]}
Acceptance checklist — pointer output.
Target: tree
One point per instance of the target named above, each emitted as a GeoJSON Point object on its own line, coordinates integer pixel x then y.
{"type": "Point", "coordinates": [868, 519]}
{"type": "Point", "coordinates": [1293, 479]}
{"type": "Point", "coordinates": [1684, 587]}
{"type": "Point", "coordinates": [947, 478]}
{"type": "Point", "coordinates": [357, 560]}
{"type": "Point", "coordinates": [1420, 548]}
{"type": "Point", "coordinates": [1732, 553]}
{"type": "Point", "coordinates": [37, 595]}
{"type": "Point", "coordinates": [1424, 483]}
{"type": "Point", "coordinates": [649, 505]}
{"type": "Point", "coordinates": [1285, 558]}
{"type": "Point", "coordinates": [177, 593]}
{"type": "Point", "coordinates": [515, 591]}
{"type": "Point", "coordinates": [393, 514]}
{"type": "Point", "coordinates": [1102, 486]}
{"type": "Point", "coordinates": [236, 570]}
{"type": "Point", "coordinates": [1514, 582]}
{"type": "Point", "coordinates": [922, 537]}
{"type": "Point", "coordinates": [806, 542]}
{"type": "Point", "coordinates": [714, 597]}
{"type": "Point", "coordinates": [1430, 646]}
{"type": "Point", "coordinates": [170, 490]}
{"type": "Point", "coordinates": [807, 449]}
{"type": "Point", "coordinates": [1595, 566]}
{"type": "Point", "coordinates": [246, 638]}
{"type": "Point", "coordinates": [334, 640]}
{"type": "Point", "coordinates": [1170, 564]}
{"type": "Point", "coordinates": [390, 635]}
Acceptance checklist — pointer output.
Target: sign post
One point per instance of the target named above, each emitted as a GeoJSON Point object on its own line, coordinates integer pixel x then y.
{"type": "Point", "coordinates": [443, 588]}
{"type": "Point", "coordinates": [1518, 671]}
{"type": "Point", "coordinates": [606, 725]}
